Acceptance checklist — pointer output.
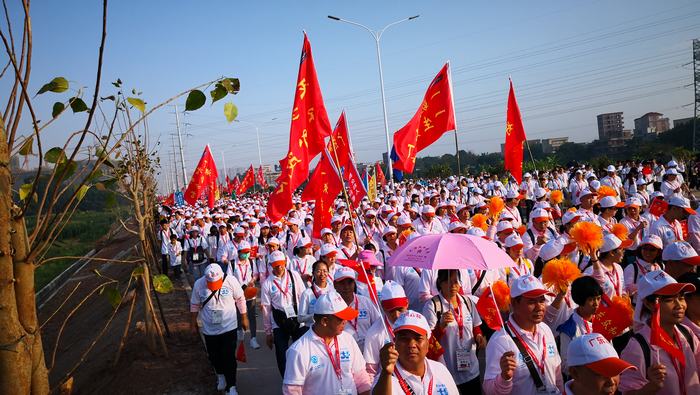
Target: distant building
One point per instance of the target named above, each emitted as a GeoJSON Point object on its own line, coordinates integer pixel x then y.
{"type": "Point", "coordinates": [610, 126]}
{"type": "Point", "coordinates": [682, 121]}
{"type": "Point", "coordinates": [650, 123]}
{"type": "Point", "coordinates": [551, 145]}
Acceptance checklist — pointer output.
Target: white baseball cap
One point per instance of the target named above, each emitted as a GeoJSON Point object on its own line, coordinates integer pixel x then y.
{"type": "Point", "coordinates": [389, 229]}
{"type": "Point", "coordinates": [540, 192]}
{"type": "Point", "coordinates": [610, 168]}
{"type": "Point", "coordinates": [476, 231]}
{"type": "Point", "coordinates": [652, 240]}
{"type": "Point", "coordinates": [586, 192]}
{"type": "Point", "coordinates": [611, 242]}
{"type": "Point", "coordinates": [633, 202]}
{"type": "Point", "coordinates": [680, 251]}
{"type": "Point", "coordinates": [528, 286]}
{"type": "Point", "coordinates": [570, 217]}
{"type": "Point", "coordinates": [327, 249]}
{"type": "Point", "coordinates": [215, 276]}
{"type": "Point", "coordinates": [555, 247]}
{"type": "Point", "coordinates": [427, 209]}
{"type": "Point", "coordinates": [238, 230]}
{"type": "Point", "coordinates": [671, 172]}
{"type": "Point", "coordinates": [331, 303]}
{"type": "Point", "coordinates": [682, 202]}
{"type": "Point", "coordinates": [456, 225]}
{"type": "Point", "coordinates": [273, 240]}
{"type": "Point", "coordinates": [294, 221]}
{"type": "Point", "coordinates": [611, 201]}
{"type": "Point", "coordinates": [595, 352]}
{"type": "Point", "coordinates": [336, 218]}
{"type": "Point", "coordinates": [513, 240]}
{"type": "Point", "coordinates": [277, 258]}
{"type": "Point", "coordinates": [326, 231]}
{"type": "Point", "coordinates": [511, 194]}
{"type": "Point", "coordinates": [660, 283]}
{"type": "Point", "coordinates": [504, 226]}
{"type": "Point", "coordinates": [243, 246]}
{"type": "Point", "coordinates": [370, 213]}
{"type": "Point", "coordinates": [392, 296]}
{"type": "Point", "coordinates": [412, 321]}
{"type": "Point", "coordinates": [342, 272]}
{"type": "Point", "coordinates": [539, 213]}
{"type": "Point", "coordinates": [304, 242]}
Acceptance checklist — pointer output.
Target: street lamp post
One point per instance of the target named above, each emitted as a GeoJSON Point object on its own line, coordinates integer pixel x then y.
{"type": "Point", "coordinates": [257, 136]}
{"type": "Point", "coordinates": [377, 35]}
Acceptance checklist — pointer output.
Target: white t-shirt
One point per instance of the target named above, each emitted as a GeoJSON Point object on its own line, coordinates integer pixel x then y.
{"type": "Point", "coordinates": [277, 293]}
{"type": "Point", "coordinates": [410, 279]}
{"type": "Point", "coordinates": [375, 339]}
{"type": "Point", "coordinates": [309, 365]}
{"type": "Point", "coordinates": [308, 300]}
{"type": "Point", "coordinates": [219, 314]}
{"type": "Point", "coordinates": [435, 373]}
{"type": "Point", "coordinates": [523, 384]}
{"type": "Point", "coordinates": [368, 314]}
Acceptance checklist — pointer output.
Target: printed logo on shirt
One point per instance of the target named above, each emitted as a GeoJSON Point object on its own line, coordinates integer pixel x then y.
{"type": "Point", "coordinates": [442, 389]}
{"type": "Point", "coordinates": [551, 350]}
{"type": "Point", "coordinates": [344, 355]}
{"type": "Point", "coordinates": [314, 360]}
{"type": "Point", "coordinates": [225, 291]}
{"type": "Point", "coordinates": [363, 315]}
{"type": "Point", "coordinates": [273, 289]}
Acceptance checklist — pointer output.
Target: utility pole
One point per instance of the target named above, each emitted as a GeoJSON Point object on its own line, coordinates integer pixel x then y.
{"type": "Point", "coordinates": [223, 157]}
{"type": "Point", "coordinates": [177, 178]}
{"type": "Point", "coordinates": [182, 154]}
{"type": "Point", "coordinates": [696, 90]}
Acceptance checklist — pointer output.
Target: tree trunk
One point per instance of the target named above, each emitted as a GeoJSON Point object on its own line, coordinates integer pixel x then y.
{"type": "Point", "coordinates": [22, 365]}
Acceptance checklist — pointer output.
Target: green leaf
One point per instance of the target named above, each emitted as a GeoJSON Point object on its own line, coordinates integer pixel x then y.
{"type": "Point", "coordinates": [55, 155]}
{"type": "Point", "coordinates": [162, 284]}
{"type": "Point", "coordinates": [67, 168]}
{"type": "Point", "coordinates": [138, 103]}
{"type": "Point", "coordinates": [82, 191]}
{"type": "Point", "coordinates": [230, 111]}
{"type": "Point", "coordinates": [232, 85]}
{"type": "Point", "coordinates": [24, 191]}
{"type": "Point", "coordinates": [77, 104]}
{"type": "Point", "coordinates": [118, 83]}
{"type": "Point", "coordinates": [26, 148]}
{"type": "Point", "coordinates": [111, 200]}
{"type": "Point", "coordinates": [57, 85]}
{"type": "Point", "coordinates": [97, 173]}
{"type": "Point", "coordinates": [218, 93]}
{"type": "Point", "coordinates": [58, 108]}
{"type": "Point", "coordinates": [113, 296]}
{"type": "Point", "coordinates": [137, 271]}
{"type": "Point", "coordinates": [195, 100]}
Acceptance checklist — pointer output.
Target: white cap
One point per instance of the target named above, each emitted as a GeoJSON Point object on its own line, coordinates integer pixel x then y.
{"type": "Point", "coordinates": [527, 175]}
{"type": "Point", "coordinates": [328, 248]}
{"type": "Point", "coordinates": [326, 231]}
{"type": "Point", "coordinates": [238, 230]}
{"type": "Point", "coordinates": [611, 242]}
{"type": "Point", "coordinates": [586, 191]}
{"type": "Point", "coordinates": [427, 209]}
{"type": "Point", "coordinates": [294, 221]}
{"type": "Point", "coordinates": [276, 256]}
{"type": "Point", "coordinates": [389, 229]}
{"type": "Point", "coordinates": [671, 172]}
{"type": "Point", "coordinates": [540, 192]}
{"type": "Point", "coordinates": [303, 242]}
{"type": "Point", "coordinates": [570, 216]}
{"type": "Point", "coordinates": [503, 226]}
{"type": "Point", "coordinates": [342, 272]}
{"type": "Point", "coordinates": [215, 276]}
{"type": "Point", "coordinates": [333, 304]}
{"type": "Point", "coordinates": [511, 194]}
{"type": "Point", "coordinates": [680, 251]}
{"type": "Point", "coordinates": [243, 246]}
{"type": "Point", "coordinates": [660, 283]}
{"type": "Point", "coordinates": [413, 321]}
{"type": "Point", "coordinates": [539, 213]}
{"type": "Point", "coordinates": [595, 352]}
{"type": "Point", "coordinates": [513, 240]}
{"type": "Point", "coordinates": [273, 240]}
{"type": "Point", "coordinates": [633, 202]}
{"type": "Point", "coordinates": [392, 296]}
{"type": "Point", "coordinates": [403, 220]}
{"type": "Point", "coordinates": [336, 218]}
{"type": "Point", "coordinates": [456, 225]}
{"type": "Point", "coordinates": [595, 184]}
{"type": "Point", "coordinates": [611, 168]}
{"type": "Point", "coordinates": [652, 240]}
{"type": "Point", "coordinates": [671, 163]}
{"type": "Point", "coordinates": [611, 201]}
{"type": "Point", "coordinates": [528, 286]}
{"type": "Point", "coordinates": [682, 202]}
{"type": "Point", "coordinates": [370, 213]}
{"type": "Point", "coordinates": [553, 248]}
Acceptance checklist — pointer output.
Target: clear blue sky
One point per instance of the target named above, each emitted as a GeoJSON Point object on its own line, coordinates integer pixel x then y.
{"type": "Point", "coordinates": [569, 61]}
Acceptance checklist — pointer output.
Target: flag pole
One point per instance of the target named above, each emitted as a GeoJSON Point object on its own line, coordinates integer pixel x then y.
{"type": "Point", "coordinates": [452, 96]}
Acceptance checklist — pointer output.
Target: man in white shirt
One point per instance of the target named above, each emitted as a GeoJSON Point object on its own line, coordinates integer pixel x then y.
{"type": "Point", "coordinates": [217, 299]}
{"type": "Point", "coordinates": [427, 223]}
{"type": "Point", "coordinates": [507, 370]}
{"type": "Point", "coordinates": [405, 369]}
{"type": "Point", "coordinates": [327, 360]}
{"type": "Point", "coordinates": [668, 226]}
{"type": "Point", "coordinates": [594, 367]}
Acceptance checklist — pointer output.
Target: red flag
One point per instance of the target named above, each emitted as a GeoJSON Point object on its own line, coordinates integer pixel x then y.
{"type": "Point", "coordinates": [324, 186]}
{"type": "Point", "coordinates": [660, 338]}
{"type": "Point", "coordinates": [228, 185]}
{"type": "Point", "coordinates": [488, 310]}
{"type": "Point", "coordinates": [309, 127]}
{"type": "Point", "coordinates": [203, 180]}
{"type": "Point", "coordinates": [658, 206]}
{"type": "Point", "coordinates": [248, 181]}
{"type": "Point", "coordinates": [379, 174]}
{"type": "Point", "coordinates": [339, 143]}
{"type": "Point", "coordinates": [515, 137]}
{"type": "Point", "coordinates": [170, 200]}
{"type": "Point", "coordinates": [233, 187]}
{"type": "Point", "coordinates": [434, 117]}
{"type": "Point", "coordinates": [356, 188]}
{"type": "Point", "coordinates": [261, 178]}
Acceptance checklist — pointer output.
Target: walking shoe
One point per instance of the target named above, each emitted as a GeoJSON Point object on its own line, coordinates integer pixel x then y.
{"type": "Point", "coordinates": [254, 343]}
{"type": "Point", "coordinates": [232, 391]}
{"type": "Point", "coordinates": [220, 382]}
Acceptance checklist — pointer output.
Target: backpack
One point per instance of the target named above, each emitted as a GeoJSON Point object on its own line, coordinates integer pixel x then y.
{"type": "Point", "coordinates": [437, 305]}
{"type": "Point", "coordinates": [646, 350]}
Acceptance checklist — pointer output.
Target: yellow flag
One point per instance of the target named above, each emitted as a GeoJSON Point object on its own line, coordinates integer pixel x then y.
{"type": "Point", "coordinates": [372, 187]}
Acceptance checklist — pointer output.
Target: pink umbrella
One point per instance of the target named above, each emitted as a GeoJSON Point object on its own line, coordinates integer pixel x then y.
{"type": "Point", "coordinates": [450, 251]}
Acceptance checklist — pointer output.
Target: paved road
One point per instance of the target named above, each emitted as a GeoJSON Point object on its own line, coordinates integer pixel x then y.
{"type": "Point", "coordinates": [259, 375]}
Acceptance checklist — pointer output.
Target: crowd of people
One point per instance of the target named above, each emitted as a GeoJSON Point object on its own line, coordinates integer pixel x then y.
{"type": "Point", "coordinates": [421, 332]}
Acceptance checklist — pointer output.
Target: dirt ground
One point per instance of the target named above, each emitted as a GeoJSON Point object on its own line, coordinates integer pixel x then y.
{"type": "Point", "coordinates": [185, 370]}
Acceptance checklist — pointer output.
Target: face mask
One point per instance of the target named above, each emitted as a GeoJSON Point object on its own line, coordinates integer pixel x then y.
{"type": "Point", "coordinates": [244, 256]}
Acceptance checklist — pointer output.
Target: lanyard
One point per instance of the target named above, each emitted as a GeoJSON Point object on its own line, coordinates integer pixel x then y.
{"type": "Point", "coordinates": [407, 390]}
{"type": "Point", "coordinates": [354, 322]}
{"type": "Point", "coordinates": [641, 268]}
{"type": "Point", "coordinates": [417, 270]}
{"type": "Point", "coordinates": [313, 289]}
{"type": "Point", "coordinates": [588, 325]}
{"type": "Point", "coordinates": [430, 229]}
{"type": "Point", "coordinates": [540, 363]}
{"type": "Point", "coordinates": [678, 366]}
{"type": "Point", "coordinates": [335, 362]}
{"type": "Point", "coordinates": [459, 318]}
{"type": "Point", "coordinates": [243, 273]}
{"type": "Point", "coordinates": [286, 287]}
{"type": "Point", "coordinates": [616, 282]}
{"type": "Point", "coordinates": [302, 271]}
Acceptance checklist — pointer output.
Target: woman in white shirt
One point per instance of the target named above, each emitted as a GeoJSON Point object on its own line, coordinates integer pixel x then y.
{"type": "Point", "coordinates": [319, 286]}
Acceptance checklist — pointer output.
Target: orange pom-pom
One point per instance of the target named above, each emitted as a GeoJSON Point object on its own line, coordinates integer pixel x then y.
{"type": "Point", "coordinates": [501, 292]}
{"type": "Point", "coordinates": [560, 273]}
{"type": "Point", "coordinates": [479, 221]}
{"type": "Point", "coordinates": [556, 197]}
{"type": "Point", "coordinates": [620, 231]}
{"type": "Point", "coordinates": [521, 230]}
{"type": "Point", "coordinates": [605, 190]}
{"type": "Point", "coordinates": [588, 236]}
{"type": "Point", "coordinates": [496, 205]}
{"type": "Point", "coordinates": [250, 292]}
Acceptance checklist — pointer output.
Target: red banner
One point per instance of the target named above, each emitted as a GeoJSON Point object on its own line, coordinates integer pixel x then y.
{"type": "Point", "coordinates": [248, 181]}
{"type": "Point", "coordinates": [488, 310]}
{"type": "Point", "coordinates": [261, 178]}
{"type": "Point", "coordinates": [434, 117]}
{"type": "Point", "coordinates": [323, 187]}
{"type": "Point", "coordinates": [381, 180]}
{"type": "Point", "coordinates": [356, 189]}
{"type": "Point", "coordinates": [515, 137]}
{"type": "Point", "coordinates": [309, 127]}
{"type": "Point", "coordinates": [233, 186]}
{"type": "Point", "coordinates": [203, 180]}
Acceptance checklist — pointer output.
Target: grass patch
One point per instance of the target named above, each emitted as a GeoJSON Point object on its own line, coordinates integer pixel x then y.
{"type": "Point", "coordinates": [77, 239]}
